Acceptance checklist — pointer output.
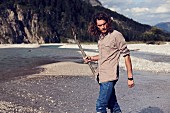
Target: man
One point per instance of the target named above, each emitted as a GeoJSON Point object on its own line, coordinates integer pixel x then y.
{"type": "Point", "coordinates": [111, 44]}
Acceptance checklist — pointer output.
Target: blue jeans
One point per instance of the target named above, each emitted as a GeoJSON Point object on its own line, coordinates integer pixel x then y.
{"type": "Point", "coordinates": [107, 98]}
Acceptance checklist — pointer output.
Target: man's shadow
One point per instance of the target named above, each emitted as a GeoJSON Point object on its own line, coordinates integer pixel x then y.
{"type": "Point", "coordinates": [151, 110]}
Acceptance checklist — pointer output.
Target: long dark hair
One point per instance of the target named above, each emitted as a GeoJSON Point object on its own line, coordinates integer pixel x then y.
{"type": "Point", "coordinates": [93, 29]}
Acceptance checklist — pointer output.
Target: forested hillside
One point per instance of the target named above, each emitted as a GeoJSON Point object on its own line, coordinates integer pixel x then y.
{"type": "Point", "coordinates": [49, 21]}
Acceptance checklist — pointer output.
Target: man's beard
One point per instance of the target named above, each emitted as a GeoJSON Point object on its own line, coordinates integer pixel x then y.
{"type": "Point", "coordinates": [104, 30]}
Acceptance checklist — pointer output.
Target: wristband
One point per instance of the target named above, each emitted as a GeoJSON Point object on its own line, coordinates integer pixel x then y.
{"type": "Point", "coordinates": [88, 57]}
{"type": "Point", "coordinates": [130, 78]}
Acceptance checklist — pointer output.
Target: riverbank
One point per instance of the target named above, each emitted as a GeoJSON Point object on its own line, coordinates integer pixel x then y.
{"type": "Point", "coordinates": [48, 59]}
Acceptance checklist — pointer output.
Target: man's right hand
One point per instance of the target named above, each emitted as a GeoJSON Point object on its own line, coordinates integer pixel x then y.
{"type": "Point", "coordinates": [87, 59]}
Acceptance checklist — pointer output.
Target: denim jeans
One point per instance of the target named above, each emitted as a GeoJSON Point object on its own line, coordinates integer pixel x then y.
{"type": "Point", "coordinates": [107, 98]}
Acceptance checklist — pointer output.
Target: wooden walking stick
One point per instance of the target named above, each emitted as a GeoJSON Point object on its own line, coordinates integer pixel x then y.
{"type": "Point", "coordinates": [82, 51]}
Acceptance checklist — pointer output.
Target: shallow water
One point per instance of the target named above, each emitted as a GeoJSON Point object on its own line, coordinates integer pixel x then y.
{"type": "Point", "coordinates": [151, 56]}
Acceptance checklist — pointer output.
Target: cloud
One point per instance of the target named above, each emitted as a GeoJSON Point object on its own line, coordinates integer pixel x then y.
{"type": "Point", "coordinates": [163, 8]}
{"type": "Point", "coordinates": [138, 10]}
{"type": "Point", "coordinates": [144, 11]}
{"type": "Point", "coordinates": [113, 9]}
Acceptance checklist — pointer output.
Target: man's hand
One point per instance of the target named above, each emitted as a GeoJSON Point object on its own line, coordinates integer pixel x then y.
{"type": "Point", "coordinates": [87, 59]}
{"type": "Point", "coordinates": [131, 83]}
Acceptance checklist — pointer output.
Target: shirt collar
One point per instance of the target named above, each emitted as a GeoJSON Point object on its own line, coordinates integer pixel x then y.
{"type": "Point", "coordinates": [103, 36]}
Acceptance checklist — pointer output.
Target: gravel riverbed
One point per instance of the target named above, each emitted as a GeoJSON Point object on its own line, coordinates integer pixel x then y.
{"type": "Point", "coordinates": [52, 78]}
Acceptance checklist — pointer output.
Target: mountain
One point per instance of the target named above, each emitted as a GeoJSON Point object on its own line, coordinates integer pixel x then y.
{"type": "Point", "coordinates": [50, 21]}
{"type": "Point", "coordinates": [164, 26]}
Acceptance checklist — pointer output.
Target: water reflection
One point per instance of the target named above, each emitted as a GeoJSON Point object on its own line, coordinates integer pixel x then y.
{"type": "Point", "coordinates": [151, 56]}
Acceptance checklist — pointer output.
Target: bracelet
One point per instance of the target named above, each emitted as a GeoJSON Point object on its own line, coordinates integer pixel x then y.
{"type": "Point", "coordinates": [88, 57]}
{"type": "Point", "coordinates": [130, 78]}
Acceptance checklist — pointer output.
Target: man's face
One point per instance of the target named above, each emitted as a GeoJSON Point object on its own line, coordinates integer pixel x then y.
{"type": "Point", "coordinates": [102, 25]}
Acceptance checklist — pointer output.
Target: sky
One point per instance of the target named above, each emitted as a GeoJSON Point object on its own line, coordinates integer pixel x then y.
{"type": "Point", "coordinates": [149, 12]}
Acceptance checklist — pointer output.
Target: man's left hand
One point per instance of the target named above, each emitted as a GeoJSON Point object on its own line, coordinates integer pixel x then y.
{"type": "Point", "coordinates": [131, 83]}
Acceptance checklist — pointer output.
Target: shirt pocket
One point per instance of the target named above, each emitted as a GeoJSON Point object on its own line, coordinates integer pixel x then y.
{"type": "Point", "coordinates": [106, 49]}
{"type": "Point", "coordinates": [113, 45]}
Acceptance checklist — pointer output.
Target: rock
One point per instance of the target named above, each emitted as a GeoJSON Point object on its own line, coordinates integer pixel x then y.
{"type": "Point", "coordinates": [17, 26]}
